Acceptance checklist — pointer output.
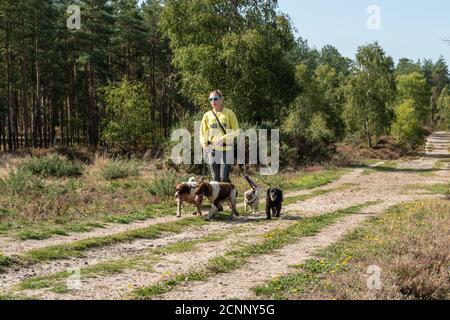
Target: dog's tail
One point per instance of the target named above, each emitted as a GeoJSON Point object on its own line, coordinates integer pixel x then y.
{"type": "Point", "coordinates": [192, 180]}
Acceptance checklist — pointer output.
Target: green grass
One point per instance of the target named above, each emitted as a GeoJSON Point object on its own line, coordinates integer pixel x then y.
{"type": "Point", "coordinates": [25, 230]}
{"type": "Point", "coordinates": [52, 166]}
{"type": "Point", "coordinates": [439, 165]}
{"type": "Point", "coordinates": [121, 169]}
{"type": "Point", "coordinates": [164, 184]}
{"type": "Point", "coordinates": [235, 259]}
{"type": "Point", "coordinates": [6, 297]}
{"type": "Point", "coordinates": [315, 179]}
{"type": "Point", "coordinates": [19, 182]}
{"type": "Point", "coordinates": [302, 180]}
{"type": "Point", "coordinates": [5, 262]}
{"type": "Point", "coordinates": [410, 267]}
{"type": "Point", "coordinates": [440, 188]}
{"type": "Point", "coordinates": [76, 249]}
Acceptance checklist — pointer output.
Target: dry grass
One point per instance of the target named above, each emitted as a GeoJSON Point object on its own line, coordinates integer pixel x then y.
{"type": "Point", "coordinates": [36, 206]}
{"type": "Point", "coordinates": [410, 244]}
{"type": "Point", "coordinates": [65, 200]}
{"type": "Point", "coordinates": [384, 149]}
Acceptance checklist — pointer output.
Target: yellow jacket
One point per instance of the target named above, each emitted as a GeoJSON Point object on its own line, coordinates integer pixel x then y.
{"type": "Point", "coordinates": [210, 130]}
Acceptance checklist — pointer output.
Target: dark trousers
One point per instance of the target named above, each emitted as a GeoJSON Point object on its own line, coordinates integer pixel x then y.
{"type": "Point", "coordinates": [220, 170]}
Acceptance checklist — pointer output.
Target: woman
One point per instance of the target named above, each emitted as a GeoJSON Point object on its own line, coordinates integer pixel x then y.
{"type": "Point", "coordinates": [216, 144]}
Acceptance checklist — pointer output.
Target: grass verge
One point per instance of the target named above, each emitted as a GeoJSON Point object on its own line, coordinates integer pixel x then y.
{"type": "Point", "coordinates": [408, 245]}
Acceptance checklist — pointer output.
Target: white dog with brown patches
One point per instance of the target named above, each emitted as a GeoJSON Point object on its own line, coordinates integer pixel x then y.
{"type": "Point", "coordinates": [184, 192]}
{"type": "Point", "coordinates": [217, 193]}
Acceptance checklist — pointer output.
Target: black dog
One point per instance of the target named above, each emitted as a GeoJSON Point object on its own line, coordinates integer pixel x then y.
{"type": "Point", "coordinates": [274, 201]}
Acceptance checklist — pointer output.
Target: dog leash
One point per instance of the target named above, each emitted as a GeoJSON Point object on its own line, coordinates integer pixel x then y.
{"type": "Point", "coordinates": [252, 184]}
{"type": "Point", "coordinates": [246, 177]}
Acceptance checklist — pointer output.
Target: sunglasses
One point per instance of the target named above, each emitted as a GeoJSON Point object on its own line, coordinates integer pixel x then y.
{"type": "Point", "coordinates": [214, 99]}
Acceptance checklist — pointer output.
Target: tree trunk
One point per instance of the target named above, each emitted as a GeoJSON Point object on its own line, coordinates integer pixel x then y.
{"type": "Point", "coordinates": [369, 137]}
{"type": "Point", "coordinates": [8, 87]}
{"type": "Point", "coordinates": [38, 115]}
{"type": "Point", "coordinates": [152, 83]}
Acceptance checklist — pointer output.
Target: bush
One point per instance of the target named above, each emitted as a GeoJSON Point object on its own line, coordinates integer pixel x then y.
{"type": "Point", "coordinates": [77, 153]}
{"type": "Point", "coordinates": [406, 128]}
{"type": "Point", "coordinates": [163, 186]}
{"type": "Point", "coordinates": [127, 124]}
{"type": "Point", "coordinates": [443, 112]}
{"type": "Point", "coordinates": [20, 182]}
{"type": "Point", "coordinates": [52, 166]}
{"type": "Point", "coordinates": [120, 169]}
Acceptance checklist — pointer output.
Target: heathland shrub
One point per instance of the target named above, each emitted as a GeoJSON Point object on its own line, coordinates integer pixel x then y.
{"type": "Point", "coordinates": [406, 128]}
{"type": "Point", "coordinates": [163, 185]}
{"type": "Point", "coordinates": [52, 166]}
{"type": "Point", "coordinates": [20, 182]}
{"type": "Point", "coordinates": [120, 169]}
{"type": "Point", "coordinates": [127, 123]}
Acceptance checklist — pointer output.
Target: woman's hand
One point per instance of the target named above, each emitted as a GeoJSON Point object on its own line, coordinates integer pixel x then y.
{"type": "Point", "coordinates": [218, 143]}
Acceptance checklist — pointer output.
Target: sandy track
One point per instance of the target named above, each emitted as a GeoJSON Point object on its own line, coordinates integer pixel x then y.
{"type": "Point", "coordinates": [263, 268]}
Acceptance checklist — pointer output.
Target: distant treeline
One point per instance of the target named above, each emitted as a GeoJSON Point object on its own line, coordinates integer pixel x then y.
{"type": "Point", "coordinates": [133, 72]}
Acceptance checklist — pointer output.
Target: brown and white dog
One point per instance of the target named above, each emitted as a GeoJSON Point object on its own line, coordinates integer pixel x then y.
{"type": "Point", "coordinates": [217, 193]}
{"type": "Point", "coordinates": [251, 199]}
{"type": "Point", "coordinates": [184, 192]}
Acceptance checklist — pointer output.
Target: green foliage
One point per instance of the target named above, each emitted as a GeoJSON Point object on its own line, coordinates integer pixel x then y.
{"type": "Point", "coordinates": [120, 169]}
{"type": "Point", "coordinates": [163, 185]}
{"type": "Point", "coordinates": [406, 128]}
{"type": "Point", "coordinates": [127, 124]}
{"type": "Point", "coordinates": [443, 109]}
{"type": "Point", "coordinates": [439, 79]}
{"type": "Point", "coordinates": [52, 166]}
{"type": "Point", "coordinates": [330, 56]}
{"type": "Point", "coordinates": [314, 119]}
{"type": "Point", "coordinates": [318, 131]}
{"type": "Point", "coordinates": [20, 182]}
{"type": "Point", "coordinates": [414, 86]}
{"type": "Point", "coordinates": [370, 93]}
{"type": "Point", "coordinates": [4, 262]}
{"type": "Point", "coordinates": [406, 66]}
{"type": "Point", "coordinates": [243, 54]}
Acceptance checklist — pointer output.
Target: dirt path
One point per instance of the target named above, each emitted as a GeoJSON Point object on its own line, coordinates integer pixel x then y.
{"type": "Point", "coordinates": [387, 186]}
{"type": "Point", "coordinates": [238, 284]}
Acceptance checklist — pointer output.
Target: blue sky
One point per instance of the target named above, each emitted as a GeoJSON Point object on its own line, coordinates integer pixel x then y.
{"type": "Point", "coordinates": [409, 28]}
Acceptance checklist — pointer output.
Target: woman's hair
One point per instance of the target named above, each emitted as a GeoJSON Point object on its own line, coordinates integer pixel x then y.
{"type": "Point", "coordinates": [217, 93]}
